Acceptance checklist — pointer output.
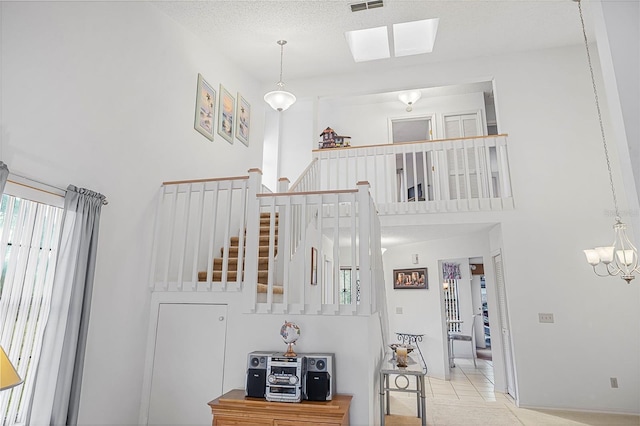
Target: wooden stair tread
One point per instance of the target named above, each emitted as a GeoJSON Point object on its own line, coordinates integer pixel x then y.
{"type": "Point", "coordinates": [233, 262]}
{"type": "Point", "coordinates": [262, 251]}
{"type": "Point", "coordinates": [235, 241]}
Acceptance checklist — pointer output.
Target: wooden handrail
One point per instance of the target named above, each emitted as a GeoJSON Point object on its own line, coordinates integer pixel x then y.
{"type": "Point", "coordinates": [302, 175]}
{"type": "Point", "coordinates": [179, 182]}
{"type": "Point", "coordinates": [405, 143]}
{"type": "Point", "coordinates": [290, 194]}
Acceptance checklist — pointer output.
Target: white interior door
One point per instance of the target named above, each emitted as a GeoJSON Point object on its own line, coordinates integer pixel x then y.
{"type": "Point", "coordinates": [504, 324]}
{"type": "Point", "coordinates": [188, 363]}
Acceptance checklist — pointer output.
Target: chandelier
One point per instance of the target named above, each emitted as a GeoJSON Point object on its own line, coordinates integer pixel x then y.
{"type": "Point", "coordinates": [280, 99]}
{"type": "Point", "coordinates": [621, 257]}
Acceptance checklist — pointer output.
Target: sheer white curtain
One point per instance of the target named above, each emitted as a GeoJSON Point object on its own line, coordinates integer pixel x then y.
{"type": "Point", "coordinates": [57, 386]}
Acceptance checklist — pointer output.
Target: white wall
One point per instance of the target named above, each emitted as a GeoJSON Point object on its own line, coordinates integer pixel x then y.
{"type": "Point", "coordinates": [296, 139]}
{"type": "Point", "coordinates": [102, 95]}
{"type": "Point", "coordinates": [618, 35]}
{"type": "Point", "coordinates": [544, 102]}
{"type": "Point", "coordinates": [368, 124]}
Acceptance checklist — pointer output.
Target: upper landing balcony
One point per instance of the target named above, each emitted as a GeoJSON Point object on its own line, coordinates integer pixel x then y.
{"type": "Point", "coordinates": [449, 175]}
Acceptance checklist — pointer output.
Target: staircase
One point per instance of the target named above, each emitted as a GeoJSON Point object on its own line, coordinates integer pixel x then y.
{"type": "Point", "coordinates": [263, 258]}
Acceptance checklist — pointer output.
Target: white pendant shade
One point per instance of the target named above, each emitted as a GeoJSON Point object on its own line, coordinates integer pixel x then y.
{"type": "Point", "coordinates": [409, 98]}
{"type": "Point", "coordinates": [280, 100]}
{"type": "Point", "coordinates": [625, 257]}
{"type": "Point", "coordinates": [605, 254]}
{"type": "Point", "coordinates": [592, 257]}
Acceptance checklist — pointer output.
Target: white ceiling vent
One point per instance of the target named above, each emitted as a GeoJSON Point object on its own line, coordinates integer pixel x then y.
{"type": "Point", "coordinates": [357, 7]}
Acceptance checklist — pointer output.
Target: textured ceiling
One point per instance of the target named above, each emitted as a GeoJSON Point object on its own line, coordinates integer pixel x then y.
{"type": "Point", "coordinates": [246, 31]}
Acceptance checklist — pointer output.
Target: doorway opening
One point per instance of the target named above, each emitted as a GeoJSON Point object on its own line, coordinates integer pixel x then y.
{"type": "Point", "coordinates": [481, 307]}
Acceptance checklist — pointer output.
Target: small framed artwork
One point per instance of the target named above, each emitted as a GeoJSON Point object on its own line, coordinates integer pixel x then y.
{"type": "Point", "coordinates": [410, 278]}
{"type": "Point", "coordinates": [205, 108]}
{"type": "Point", "coordinates": [243, 120]}
{"type": "Point", "coordinates": [314, 266]}
{"type": "Point", "coordinates": [226, 113]}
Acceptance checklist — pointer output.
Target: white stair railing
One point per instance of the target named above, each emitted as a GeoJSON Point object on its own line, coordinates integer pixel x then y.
{"type": "Point", "coordinates": [340, 238]}
{"type": "Point", "coordinates": [468, 174]}
{"type": "Point", "coordinates": [193, 219]}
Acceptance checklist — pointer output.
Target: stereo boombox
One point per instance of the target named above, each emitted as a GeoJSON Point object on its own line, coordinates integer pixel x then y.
{"type": "Point", "coordinates": [273, 376]}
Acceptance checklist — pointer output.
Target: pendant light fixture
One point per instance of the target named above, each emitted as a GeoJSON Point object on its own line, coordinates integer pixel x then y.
{"type": "Point", "coordinates": [410, 98]}
{"type": "Point", "coordinates": [621, 257]}
{"type": "Point", "coordinates": [280, 99]}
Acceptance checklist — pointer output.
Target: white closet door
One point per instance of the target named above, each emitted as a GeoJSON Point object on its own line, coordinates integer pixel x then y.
{"type": "Point", "coordinates": [504, 325]}
{"type": "Point", "coordinates": [188, 363]}
{"type": "Point", "coordinates": [462, 126]}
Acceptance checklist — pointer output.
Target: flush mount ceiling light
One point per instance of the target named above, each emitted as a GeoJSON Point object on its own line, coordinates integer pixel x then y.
{"type": "Point", "coordinates": [280, 99]}
{"type": "Point", "coordinates": [368, 44]}
{"type": "Point", "coordinates": [414, 38]}
{"type": "Point", "coordinates": [410, 98]}
{"type": "Point", "coordinates": [621, 257]}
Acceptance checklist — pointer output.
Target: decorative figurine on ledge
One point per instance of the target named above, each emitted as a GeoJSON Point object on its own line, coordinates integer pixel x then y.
{"type": "Point", "coordinates": [290, 332]}
{"type": "Point", "coordinates": [330, 139]}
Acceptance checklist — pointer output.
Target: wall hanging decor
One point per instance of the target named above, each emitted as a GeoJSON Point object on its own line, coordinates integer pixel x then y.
{"type": "Point", "coordinates": [226, 113]}
{"type": "Point", "coordinates": [205, 108]}
{"type": "Point", "coordinates": [243, 120]}
{"type": "Point", "coordinates": [451, 271]}
{"type": "Point", "coordinates": [410, 278]}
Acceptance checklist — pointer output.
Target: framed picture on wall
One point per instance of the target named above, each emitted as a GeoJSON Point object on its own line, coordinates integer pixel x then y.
{"type": "Point", "coordinates": [243, 120]}
{"type": "Point", "coordinates": [205, 108]}
{"type": "Point", "coordinates": [226, 114]}
{"type": "Point", "coordinates": [410, 278]}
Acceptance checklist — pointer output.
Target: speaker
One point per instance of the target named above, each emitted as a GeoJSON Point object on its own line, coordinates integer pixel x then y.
{"type": "Point", "coordinates": [257, 374]}
{"type": "Point", "coordinates": [319, 381]}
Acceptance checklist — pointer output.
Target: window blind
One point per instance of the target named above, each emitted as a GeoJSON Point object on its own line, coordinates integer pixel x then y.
{"type": "Point", "coordinates": [29, 235]}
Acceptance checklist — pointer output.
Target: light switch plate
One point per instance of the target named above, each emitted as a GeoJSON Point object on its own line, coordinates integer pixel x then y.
{"type": "Point", "coordinates": [545, 318]}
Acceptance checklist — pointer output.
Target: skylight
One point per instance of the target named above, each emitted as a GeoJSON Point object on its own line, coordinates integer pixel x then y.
{"type": "Point", "coordinates": [414, 38]}
{"type": "Point", "coordinates": [409, 38]}
{"type": "Point", "coordinates": [368, 44]}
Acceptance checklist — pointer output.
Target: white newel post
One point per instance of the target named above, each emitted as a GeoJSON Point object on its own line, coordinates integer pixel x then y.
{"type": "Point", "coordinates": [253, 233]}
{"type": "Point", "coordinates": [283, 220]}
{"type": "Point", "coordinates": [364, 216]}
{"type": "Point", "coordinates": [503, 167]}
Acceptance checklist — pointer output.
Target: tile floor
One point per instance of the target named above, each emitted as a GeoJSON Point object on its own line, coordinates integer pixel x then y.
{"type": "Point", "coordinates": [469, 398]}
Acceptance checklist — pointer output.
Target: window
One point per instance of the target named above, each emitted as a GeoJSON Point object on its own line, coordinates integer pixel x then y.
{"type": "Point", "coordinates": [451, 305]}
{"type": "Point", "coordinates": [345, 286]}
{"type": "Point", "coordinates": [29, 235]}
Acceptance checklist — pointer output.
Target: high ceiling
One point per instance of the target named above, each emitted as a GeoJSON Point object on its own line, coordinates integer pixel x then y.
{"type": "Point", "coordinates": [246, 32]}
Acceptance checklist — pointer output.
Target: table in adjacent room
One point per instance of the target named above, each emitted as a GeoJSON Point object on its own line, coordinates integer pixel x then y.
{"type": "Point", "coordinates": [402, 382]}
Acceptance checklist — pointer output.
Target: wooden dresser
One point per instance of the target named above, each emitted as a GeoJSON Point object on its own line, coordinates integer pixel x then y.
{"type": "Point", "coordinates": [233, 408]}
